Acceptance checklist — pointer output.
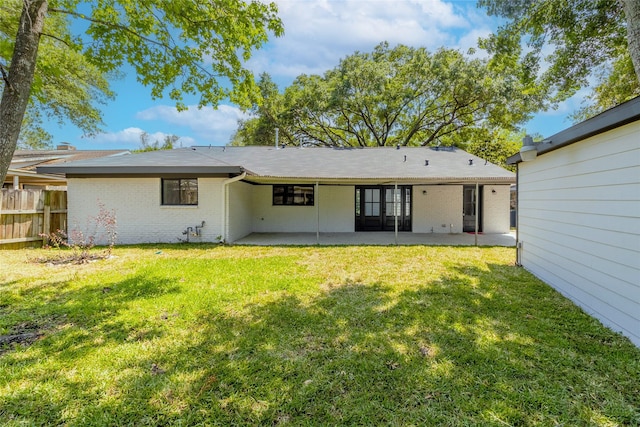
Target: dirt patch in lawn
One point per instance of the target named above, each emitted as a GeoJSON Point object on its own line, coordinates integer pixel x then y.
{"type": "Point", "coordinates": [22, 334]}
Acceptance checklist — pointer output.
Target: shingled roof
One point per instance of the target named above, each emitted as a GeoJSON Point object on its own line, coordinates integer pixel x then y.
{"type": "Point", "coordinates": [270, 164]}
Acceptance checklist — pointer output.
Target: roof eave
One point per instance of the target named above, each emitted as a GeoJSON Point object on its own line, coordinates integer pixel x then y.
{"type": "Point", "coordinates": [615, 117]}
{"type": "Point", "coordinates": [378, 180]}
{"type": "Point", "coordinates": [140, 170]}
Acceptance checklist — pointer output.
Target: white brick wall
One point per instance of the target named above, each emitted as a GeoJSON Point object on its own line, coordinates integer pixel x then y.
{"type": "Point", "coordinates": [337, 211]}
{"type": "Point", "coordinates": [441, 205]}
{"type": "Point", "coordinates": [495, 209]}
{"type": "Point", "coordinates": [140, 216]}
{"type": "Point", "coordinates": [240, 210]}
{"type": "Point", "coordinates": [142, 219]}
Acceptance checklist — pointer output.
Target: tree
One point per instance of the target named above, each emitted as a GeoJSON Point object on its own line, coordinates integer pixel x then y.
{"type": "Point", "coordinates": [392, 96]}
{"type": "Point", "coordinates": [146, 144]}
{"type": "Point", "coordinates": [267, 115]}
{"type": "Point", "coordinates": [616, 84]}
{"type": "Point", "coordinates": [178, 48]}
{"type": "Point", "coordinates": [493, 145]}
{"type": "Point", "coordinates": [66, 85]}
{"type": "Point", "coordinates": [587, 37]}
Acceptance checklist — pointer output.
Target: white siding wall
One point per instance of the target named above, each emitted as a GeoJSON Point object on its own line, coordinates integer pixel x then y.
{"type": "Point", "coordinates": [438, 209]}
{"type": "Point", "coordinates": [579, 224]}
{"type": "Point", "coordinates": [139, 214]}
{"type": "Point", "coordinates": [495, 209]}
{"type": "Point", "coordinates": [240, 210]}
{"type": "Point", "coordinates": [336, 212]}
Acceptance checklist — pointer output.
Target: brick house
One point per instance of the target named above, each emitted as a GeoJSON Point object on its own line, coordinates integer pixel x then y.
{"type": "Point", "coordinates": [231, 192]}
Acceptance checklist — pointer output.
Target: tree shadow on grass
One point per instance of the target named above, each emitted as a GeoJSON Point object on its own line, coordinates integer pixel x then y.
{"type": "Point", "coordinates": [460, 350]}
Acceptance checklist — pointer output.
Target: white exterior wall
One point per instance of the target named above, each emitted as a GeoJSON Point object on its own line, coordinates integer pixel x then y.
{"type": "Point", "coordinates": [240, 197]}
{"type": "Point", "coordinates": [337, 209]}
{"type": "Point", "coordinates": [579, 224]}
{"type": "Point", "coordinates": [496, 209]}
{"type": "Point", "coordinates": [336, 204]}
{"type": "Point", "coordinates": [139, 214]}
{"type": "Point", "coordinates": [439, 210]}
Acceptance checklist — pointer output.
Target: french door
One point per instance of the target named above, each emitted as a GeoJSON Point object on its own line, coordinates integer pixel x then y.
{"type": "Point", "coordinates": [378, 206]}
{"type": "Point", "coordinates": [471, 206]}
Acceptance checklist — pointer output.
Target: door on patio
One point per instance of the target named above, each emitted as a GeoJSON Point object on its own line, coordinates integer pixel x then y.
{"type": "Point", "coordinates": [471, 205]}
{"type": "Point", "coordinates": [375, 208]}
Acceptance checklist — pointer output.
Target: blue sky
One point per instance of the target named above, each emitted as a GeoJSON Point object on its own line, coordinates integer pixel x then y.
{"type": "Point", "coordinates": [317, 34]}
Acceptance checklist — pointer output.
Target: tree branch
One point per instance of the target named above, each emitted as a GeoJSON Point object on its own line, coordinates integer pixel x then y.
{"type": "Point", "coordinates": [56, 38]}
{"type": "Point", "coordinates": [5, 77]}
{"type": "Point", "coordinates": [111, 25]}
{"type": "Point", "coordinates": [130, 31]}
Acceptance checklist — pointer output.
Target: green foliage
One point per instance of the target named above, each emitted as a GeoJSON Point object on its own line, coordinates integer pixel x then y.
{"type": "Point", "coordinates": [32, 135]}
{"type": "Point", "coordinates": [169, 143]}
{"type": "Point", "coordinates": [266, 117]}
{"type": "Point", "coordinates": [391, 96]}
{"type": "Point", "coordinates": [179, 47]}
{"type": "Point", "coordinates": [340, 336]}
{"type": "Point", "coordinates": [583, 35]}
{"type": "Point", "coordinates": [494, 146]}
{"type": "Point", "coordinates": [616, 84]}
{"type": "Point", "coordinates": [66, 86]}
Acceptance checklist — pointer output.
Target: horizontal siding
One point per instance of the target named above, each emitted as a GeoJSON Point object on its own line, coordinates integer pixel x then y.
{"type": "Point", "coordinates": [614, 311]}
{"type": "Point", "coordinates": [604, 208]}
{"type": "Point", "coordinates": [567, 252]}
{"type": "Point", "coordinates": [579, 224]}
{"type": "Point", "coordinates": [604, 178]}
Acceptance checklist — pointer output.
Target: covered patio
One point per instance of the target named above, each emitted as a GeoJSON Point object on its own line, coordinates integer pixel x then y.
{"type": "Point", "coordinates": [378, 238]}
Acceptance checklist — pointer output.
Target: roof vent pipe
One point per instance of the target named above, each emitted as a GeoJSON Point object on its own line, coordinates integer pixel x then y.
{"type": "Point", "coordinates": [277, 135]}
{"type": "Point", "coordinates": [426, 162]}
{"type": "Point", "coordinates": [470, 162]}
{"type": "Point", "coordinates": [405, 157]}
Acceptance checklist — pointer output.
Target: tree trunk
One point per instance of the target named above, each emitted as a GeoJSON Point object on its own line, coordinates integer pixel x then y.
{"type": "Point", "coordinates": [17, 86]}
{"type": "Point", "coordinates": [632, 12]}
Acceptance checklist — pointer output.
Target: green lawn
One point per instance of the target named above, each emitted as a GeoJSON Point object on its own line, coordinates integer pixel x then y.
{"type": "Point", "coordinates": [214, 335]}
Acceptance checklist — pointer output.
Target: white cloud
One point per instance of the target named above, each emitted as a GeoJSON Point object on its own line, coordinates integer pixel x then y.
{"type": "Point", "coordinates": [212, 126]}
{"type": "Point", "coordinates": [130, 138]}
{"type": "Point", "coordinates": [318, 33]}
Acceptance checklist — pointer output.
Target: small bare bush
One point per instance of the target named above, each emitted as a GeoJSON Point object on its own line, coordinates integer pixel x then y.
{"type": "Point", "coordinates": [102, 227]}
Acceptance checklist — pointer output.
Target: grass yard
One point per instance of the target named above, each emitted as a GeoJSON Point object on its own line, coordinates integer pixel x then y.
{"type": "Point", "coordinates": [214, 335]}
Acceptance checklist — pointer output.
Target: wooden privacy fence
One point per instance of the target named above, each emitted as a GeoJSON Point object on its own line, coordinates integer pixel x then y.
{"type": "Point", "coordinates": [27, 214]}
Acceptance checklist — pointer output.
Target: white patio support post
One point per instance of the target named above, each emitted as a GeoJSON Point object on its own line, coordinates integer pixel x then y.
{"type": "Point", "coordinates": [395, 210]}
{"type": "Point", "coordinates": [317, 201]}
{"type": "Point", "coordinates": [477, 196]}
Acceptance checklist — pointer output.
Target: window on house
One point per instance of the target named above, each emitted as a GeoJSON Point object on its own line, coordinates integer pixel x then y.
{"type": "Point", "coordinates": [183, 191]}
{"type": "Point", "coordinates": [294, 195]}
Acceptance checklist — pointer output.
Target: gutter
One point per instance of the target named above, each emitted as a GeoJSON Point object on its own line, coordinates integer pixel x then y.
{"type": "Point", "coordinates": [615, 117]}
{"type": "Point", "coordinates": [225, 203]}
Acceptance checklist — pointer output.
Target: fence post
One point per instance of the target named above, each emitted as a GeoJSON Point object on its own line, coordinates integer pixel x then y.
{"type": "Point", "coordinates": [46, 220]}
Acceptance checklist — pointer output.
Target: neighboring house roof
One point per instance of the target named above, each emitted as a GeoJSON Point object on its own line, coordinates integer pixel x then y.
{"type": "Point", "coordinates": [620, 115]}
{"type": "Point", "coordinates": [270, 164]}
{"type": "Point", "coordinates": [29, 160]}
{"type": "Point", "coordinates": [25, 162]}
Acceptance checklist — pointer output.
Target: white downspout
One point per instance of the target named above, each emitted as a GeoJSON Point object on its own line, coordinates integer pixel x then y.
{"type": "Point", "coordinates": [225, 203]}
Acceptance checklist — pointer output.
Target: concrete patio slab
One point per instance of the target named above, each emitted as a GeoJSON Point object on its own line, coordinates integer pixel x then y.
{"type": "Point", "coordinates": [376, 238]}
